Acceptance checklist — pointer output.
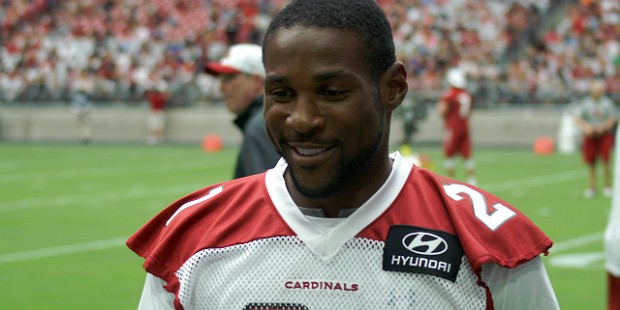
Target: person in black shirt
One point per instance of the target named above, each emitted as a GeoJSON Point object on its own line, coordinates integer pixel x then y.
{"type": "Point", "coordinates": [241, 74]}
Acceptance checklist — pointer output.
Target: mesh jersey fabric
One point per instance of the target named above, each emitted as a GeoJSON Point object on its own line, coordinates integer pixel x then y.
{"type": "Point", "coordinates": [281, 270]}
{"type": "Point", "coordinates": [244, 243]}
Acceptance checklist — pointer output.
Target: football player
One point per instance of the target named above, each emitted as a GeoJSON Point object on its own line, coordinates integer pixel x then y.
{"type": "Point", "coordinates": [455, 107]}
{"type": "Point", "coordinates": [340, 223]}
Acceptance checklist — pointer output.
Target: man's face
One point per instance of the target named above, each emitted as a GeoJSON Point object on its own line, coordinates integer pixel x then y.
{"type": "Point", "coordinates": [323, 110]}
{"type": "Point", "coordinates": [239, 90]}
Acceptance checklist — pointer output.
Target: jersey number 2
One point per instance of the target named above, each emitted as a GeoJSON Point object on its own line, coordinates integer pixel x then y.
{"type": "Point", "coordinates": [492, 219]}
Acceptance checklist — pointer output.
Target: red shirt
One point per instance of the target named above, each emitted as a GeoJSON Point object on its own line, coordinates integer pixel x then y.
{"type": "Point", "coordinates": [459, 103]}
{"type": "Point", "coordinates": [157, 100]}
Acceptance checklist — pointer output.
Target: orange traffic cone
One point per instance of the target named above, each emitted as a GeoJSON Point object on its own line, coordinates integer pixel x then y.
{"type": "Point", "coordinates": [212, 143]}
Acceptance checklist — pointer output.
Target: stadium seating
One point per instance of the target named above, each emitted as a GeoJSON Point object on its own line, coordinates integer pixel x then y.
{"type": "Point", "coordinates": [514, 52]}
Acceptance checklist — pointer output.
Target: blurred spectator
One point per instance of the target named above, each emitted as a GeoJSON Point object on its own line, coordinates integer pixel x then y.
{"type": "Point", "coordinates": [11, 84]}
{"type": "Point", "coordinates": [613, 85]}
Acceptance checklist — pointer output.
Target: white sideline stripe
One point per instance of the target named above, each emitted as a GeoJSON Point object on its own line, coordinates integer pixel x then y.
{"type": "Point", "coordinates": [87, 198]}
{"type": "Point", "coordinates": [578, 260]}
{"type": "Point", "coordinates": [95, 172]}
{"type": "Point", "coordinates": [563, 246]}
{"type": "Point", "coordinates": [540, 180]}
{"type": "Point", "coordinates": [62, 250]}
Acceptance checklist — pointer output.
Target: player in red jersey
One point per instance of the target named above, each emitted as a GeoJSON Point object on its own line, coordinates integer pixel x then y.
{"type": "Point", "coordinates": [339, 223]}
{"type": "Point", "coordinates": [157, 97]}
{"type": "Point", "coordinates": [455, 107]}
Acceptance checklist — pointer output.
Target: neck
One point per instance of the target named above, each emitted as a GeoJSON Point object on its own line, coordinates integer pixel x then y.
{"type": "Point", "coordinates": [351, 196]}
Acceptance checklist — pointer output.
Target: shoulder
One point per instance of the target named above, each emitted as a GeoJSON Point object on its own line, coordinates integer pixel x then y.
{"type": "Point", "coordinates": [202, 207]}
{"type": "Point", "coordinates": [207, 218]}
{"type": "Point", "coordinates": [448, 94]}
{"type": "Point", "coordinates": [458, 91]}
{"type": "Point", "coordinates": [489, 228]}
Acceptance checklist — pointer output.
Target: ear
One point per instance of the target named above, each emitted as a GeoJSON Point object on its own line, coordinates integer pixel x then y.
{"type": "Point", "coordinates": [259, 83]}
{"type": "Point", "coordinates": [394, 84]}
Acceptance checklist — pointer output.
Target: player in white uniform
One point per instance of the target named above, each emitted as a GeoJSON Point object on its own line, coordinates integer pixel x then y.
{"type": "Point", "coordinates": [339, 223]}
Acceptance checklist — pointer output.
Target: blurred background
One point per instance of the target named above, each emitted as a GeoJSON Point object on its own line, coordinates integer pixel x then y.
{"type": "Point", "coordinates": [524, 55]}
{"type": "Point", "coordinates": [85, 72]}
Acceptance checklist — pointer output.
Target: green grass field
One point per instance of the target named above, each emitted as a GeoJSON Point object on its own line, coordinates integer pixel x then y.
{"type": "Point", "coordinates": [65, 211]}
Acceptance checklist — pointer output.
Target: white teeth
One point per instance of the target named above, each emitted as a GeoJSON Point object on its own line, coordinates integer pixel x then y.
{"type": "Point", "coordinates": [309, 152]}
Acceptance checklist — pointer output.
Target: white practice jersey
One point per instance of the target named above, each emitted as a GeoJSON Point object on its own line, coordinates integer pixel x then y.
{"type": "Point", "coordinates": [419, 243]}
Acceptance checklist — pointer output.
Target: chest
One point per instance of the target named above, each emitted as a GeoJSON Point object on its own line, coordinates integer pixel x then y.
{"type": "Point", "coordinates": [283, 271]}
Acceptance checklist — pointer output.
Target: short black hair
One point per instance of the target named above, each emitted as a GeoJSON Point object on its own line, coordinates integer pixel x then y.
{"type": "Point", "coordinates": [363, 17]}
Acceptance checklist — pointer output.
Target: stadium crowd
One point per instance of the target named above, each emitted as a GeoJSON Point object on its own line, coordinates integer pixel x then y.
{"type": "Point", "coordinates": [513, 51]}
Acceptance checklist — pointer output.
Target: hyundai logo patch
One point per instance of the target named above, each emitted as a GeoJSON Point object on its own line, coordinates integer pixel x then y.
{"type": "Point", "coordinates": [420, 250]}
{"type": "Point", "coordinates": [425, 243]}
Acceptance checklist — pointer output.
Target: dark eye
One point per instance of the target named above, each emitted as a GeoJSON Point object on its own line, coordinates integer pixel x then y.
{"type": "Point", "coordinates": [334, 94]}
{"type": "Point", "coordinates": [280, 95]}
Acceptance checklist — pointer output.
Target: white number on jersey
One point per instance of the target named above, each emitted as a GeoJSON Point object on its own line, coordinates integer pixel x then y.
{"type": "Point", "coordinates": [493, 219]}
{"type": "Point", "coordinates": [211, 193]}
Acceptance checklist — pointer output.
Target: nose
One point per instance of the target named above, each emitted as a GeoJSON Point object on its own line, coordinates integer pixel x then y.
{"type": "Point", "coordinates": [306, 116]}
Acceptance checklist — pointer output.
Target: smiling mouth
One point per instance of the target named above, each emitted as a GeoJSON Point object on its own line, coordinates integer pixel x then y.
{"type": "Point", "coordinates": [310, 154]}
{"type": "Point", "coordinates": [309, 151]}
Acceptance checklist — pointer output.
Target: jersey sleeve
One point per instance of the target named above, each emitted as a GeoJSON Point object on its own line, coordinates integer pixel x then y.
{"type": "Point", "coordinates": [490, 229]}
{"type": "Point", "coordinates": [207, 218]}
{"type": "Point", "coordinates": [526, 286]}
{"type": "Point", "coordinates": [158, 240]}
{"type": "Point", "coordinates": [154, 296]}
